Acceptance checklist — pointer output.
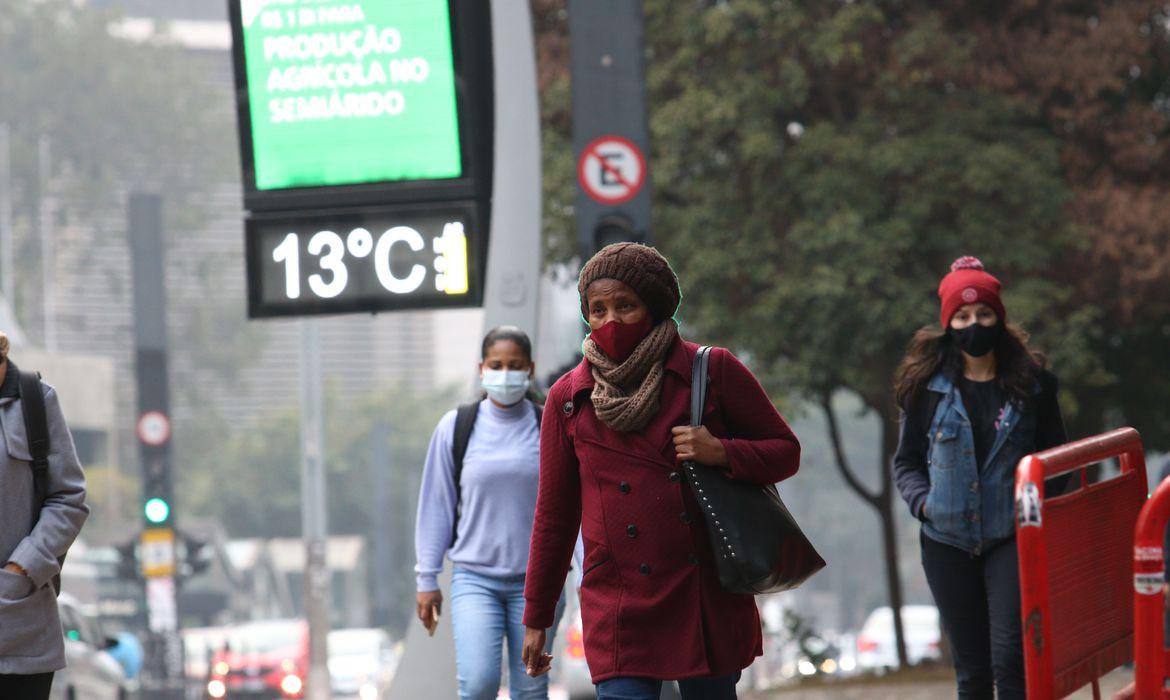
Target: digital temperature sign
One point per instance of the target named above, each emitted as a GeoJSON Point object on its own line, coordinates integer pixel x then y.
{"type": "Point", "coordinates": [363, 260]}
{"type": "Point", "coordinates": [366, 134]}
{"type": "Point", "coordinates": [345, 92]}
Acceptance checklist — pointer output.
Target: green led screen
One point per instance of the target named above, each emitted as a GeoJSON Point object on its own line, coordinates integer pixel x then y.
{"type": "Point", "coordinates": [345, 92]}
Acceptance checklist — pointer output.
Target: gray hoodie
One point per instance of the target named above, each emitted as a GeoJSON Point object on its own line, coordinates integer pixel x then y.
{"type": "Point", "coordinates": [30, 627]}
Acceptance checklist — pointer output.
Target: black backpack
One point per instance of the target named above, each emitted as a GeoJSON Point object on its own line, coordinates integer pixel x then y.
{"type": "Point", "coordinates": [36, 428]}
{"type": "Point", "coordinates": [465, 417]}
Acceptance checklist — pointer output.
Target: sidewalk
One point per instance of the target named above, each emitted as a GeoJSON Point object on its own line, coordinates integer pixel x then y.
{"type": "Point", "coordinates": [928, 685]}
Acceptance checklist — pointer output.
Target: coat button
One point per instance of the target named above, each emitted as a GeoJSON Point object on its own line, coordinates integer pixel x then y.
{"type": "Point", "coordinates": [685, 518]}
{"type": "Point", "coordinates": [624, 486]}
{"type": "Point", "coordinates": [644, 569]}
{"type": "Point", "coordinates": [675, 477]}
{"type": "Point", "coordinates": [631, 531]}
{"type": "Point", "coordinates": [693, 560]}
{"type": "Point", "coordinates": [567, 407]}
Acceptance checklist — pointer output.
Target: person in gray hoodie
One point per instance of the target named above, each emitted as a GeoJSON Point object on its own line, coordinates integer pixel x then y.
{"type": "Point", "coordinates": [32, 645]}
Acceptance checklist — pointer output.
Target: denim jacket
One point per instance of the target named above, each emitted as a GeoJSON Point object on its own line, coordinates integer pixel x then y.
{"type": "Point", "coordinates": [967, 507]}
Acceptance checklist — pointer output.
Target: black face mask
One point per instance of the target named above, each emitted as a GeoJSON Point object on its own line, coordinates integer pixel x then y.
{"type": "Point", "coordinates": [977, 339]}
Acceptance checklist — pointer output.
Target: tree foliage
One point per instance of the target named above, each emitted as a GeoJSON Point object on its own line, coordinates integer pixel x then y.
{"type": "Point", "coordinates": [117, 113]}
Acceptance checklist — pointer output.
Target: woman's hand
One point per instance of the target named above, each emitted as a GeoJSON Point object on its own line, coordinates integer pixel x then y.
{"type": "Point", "coordinates": [698, 445]}
{"type": "Point", "coordinates": [536, 661]}
{"type": "Point", "coordinates": [430, 605]}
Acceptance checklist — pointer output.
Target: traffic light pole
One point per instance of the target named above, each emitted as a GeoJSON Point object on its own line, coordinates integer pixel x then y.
{"type": "Point", "coordinates": [163, 677]}
{"type": "Point", "coordinates": [314, 520]}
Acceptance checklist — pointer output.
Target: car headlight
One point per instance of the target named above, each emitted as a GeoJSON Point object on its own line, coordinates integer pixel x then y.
{"type": "Point", "coordinates": [368, 691]}
{"type": "Point", "coordinates": [216, 689]}
{"type": "Point", "coordinates": [221, 668]}
{"type": "Point", "coordinates": [291, 684]}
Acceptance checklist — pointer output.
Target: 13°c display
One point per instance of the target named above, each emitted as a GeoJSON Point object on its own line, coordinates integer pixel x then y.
{"type": "Point", "coordinates": [362, 260]}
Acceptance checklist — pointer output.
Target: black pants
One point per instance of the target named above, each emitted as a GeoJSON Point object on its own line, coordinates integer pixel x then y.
{"type": "Point", "coordinates": [978, 600]}
{"type": "Point", "coordinates": [31, 687]}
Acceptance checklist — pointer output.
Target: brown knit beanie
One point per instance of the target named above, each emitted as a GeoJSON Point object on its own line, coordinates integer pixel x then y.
{"type": "Point", "coordinates": [641, 267]}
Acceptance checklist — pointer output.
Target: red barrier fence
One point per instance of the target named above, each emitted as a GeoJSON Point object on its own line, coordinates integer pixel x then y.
{"type": "Point", "coordinates": [1076, 572]}
{"type": "Point", "coordinates": [1148, 602]}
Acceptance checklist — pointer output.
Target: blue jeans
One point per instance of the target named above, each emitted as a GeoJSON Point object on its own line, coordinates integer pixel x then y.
{"type": "Point", "coordinates": [717, 688]}
{"type": "Point", "coordinates": [484, 611]}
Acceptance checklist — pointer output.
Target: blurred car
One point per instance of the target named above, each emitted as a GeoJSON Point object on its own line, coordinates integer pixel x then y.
{"type": "Point", "coordinates": [875, 643]}
{"type": "Point", "coordinates": [199, 645]}
{"type": "Point", "coordinates": [261, 660]}
{"type": "Point", "coordinates": [361, 663]}
{"type": "Point", "coordinates": [91, 673]}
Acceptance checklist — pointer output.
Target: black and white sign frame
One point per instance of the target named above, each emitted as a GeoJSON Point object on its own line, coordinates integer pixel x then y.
{"type": "Point", "coordinates": [308, 305]}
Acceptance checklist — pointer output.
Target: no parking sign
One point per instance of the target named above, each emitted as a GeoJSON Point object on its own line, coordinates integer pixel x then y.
{"type": "Point", "coordinates": [612, 170]}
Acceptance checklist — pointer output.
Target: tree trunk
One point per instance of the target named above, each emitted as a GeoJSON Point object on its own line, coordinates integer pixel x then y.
{"type": "Point", "coordinates": [890, 536]}
{"type": "Point", "coordinates": [882, 502]}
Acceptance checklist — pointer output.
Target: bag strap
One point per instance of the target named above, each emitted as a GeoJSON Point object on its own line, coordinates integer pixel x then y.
{"type": "Point", "coordinates": [465, 417]}
{"type": "Point", "coordinates": [700, 378]}
{"type": "Point", "coordinates": [36, 428]}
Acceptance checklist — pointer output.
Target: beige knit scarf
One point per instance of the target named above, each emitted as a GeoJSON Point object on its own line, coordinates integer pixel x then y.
{"type": "Point", "coordinates": [626, 396]}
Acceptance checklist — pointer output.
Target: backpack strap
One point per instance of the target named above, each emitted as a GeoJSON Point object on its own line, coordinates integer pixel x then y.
{"type": "Point", "coordinates": [465, 417]}
{"type": "Point", "coordinates": [36, 430]}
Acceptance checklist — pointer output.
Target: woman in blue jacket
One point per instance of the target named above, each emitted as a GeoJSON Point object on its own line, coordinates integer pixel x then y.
{"type": "Point", "coordinates": [481, 519]}
{"type": "Point", "coordinates": [976, 400]}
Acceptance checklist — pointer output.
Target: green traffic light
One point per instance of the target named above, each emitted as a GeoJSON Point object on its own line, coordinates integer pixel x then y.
{"type": "Point", "coordinates": [157, 510]}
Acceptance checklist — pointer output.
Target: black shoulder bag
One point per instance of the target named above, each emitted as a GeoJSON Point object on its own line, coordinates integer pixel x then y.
{"type": "Point", "coordinates": [36, 430]}
{"type": "Point", "coordinates": [758, 546]}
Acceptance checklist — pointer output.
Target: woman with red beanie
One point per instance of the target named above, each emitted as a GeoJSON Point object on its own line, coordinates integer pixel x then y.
{"type": "Point", "coordinates": [976, 399]}
{"type": "Point", "coordinates": [615, 431]}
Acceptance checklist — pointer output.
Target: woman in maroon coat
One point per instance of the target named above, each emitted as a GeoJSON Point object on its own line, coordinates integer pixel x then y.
{"type": "Point", "coordinates": [614, 434]}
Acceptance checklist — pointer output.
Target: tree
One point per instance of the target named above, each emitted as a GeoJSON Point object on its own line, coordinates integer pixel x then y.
{"type": "Point", "coordinates": [251, 483]}
{"type": "Point", "coordinates": [1097, 76]}
{"type": "Point", "coordinates": [817, 168]}
{"type": "Point", "coordinates": [818, 165]}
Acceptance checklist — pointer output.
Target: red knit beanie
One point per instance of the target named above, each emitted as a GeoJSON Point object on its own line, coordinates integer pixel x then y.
{"type": "Point", "coordinates": [968, 284]}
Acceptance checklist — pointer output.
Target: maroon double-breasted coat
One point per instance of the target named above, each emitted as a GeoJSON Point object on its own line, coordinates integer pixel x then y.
{"type": "Point", "coordinates": [651, 603]}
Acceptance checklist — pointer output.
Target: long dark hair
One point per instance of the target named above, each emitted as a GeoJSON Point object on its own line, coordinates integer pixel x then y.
{"type": "Point", "coordinates": [518, 336]}
{"type": "Point", "coordinates": [933, 350]}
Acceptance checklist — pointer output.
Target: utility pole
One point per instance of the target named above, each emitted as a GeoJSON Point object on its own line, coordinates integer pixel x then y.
{"type": "Point", "coordinates": [514, 253]}
{"type": "Point", "coordinates": [314, 512]}
{"type": "Point", "coordinates": [48, 245]}
{"type": "Point", "coordinates": [384, 536]}
{"type": "Point", "coordinates": [7, 246]}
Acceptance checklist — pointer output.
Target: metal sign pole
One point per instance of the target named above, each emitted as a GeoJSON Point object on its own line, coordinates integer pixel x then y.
{"type": "Point", "coordinates": [515, 251]}
{"type": "Point", "coordinates": [611, 134]}
{"type": "Point", "coordinates": [314, 512]}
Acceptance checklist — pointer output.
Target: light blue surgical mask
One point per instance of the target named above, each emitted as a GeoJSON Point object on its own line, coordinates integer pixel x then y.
{"type": "Point", "coordinates": [506, 386]}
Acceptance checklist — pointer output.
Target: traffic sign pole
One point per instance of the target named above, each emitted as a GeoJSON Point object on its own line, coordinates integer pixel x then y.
{"type": "Point", "coordinates": [611, 135]}
{"type": "Point", "coordinates": [313, 511]}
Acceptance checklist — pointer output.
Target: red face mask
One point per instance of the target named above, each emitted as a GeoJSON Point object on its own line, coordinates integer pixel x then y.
{"type": "Point", "coordinates": [618, 340]}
